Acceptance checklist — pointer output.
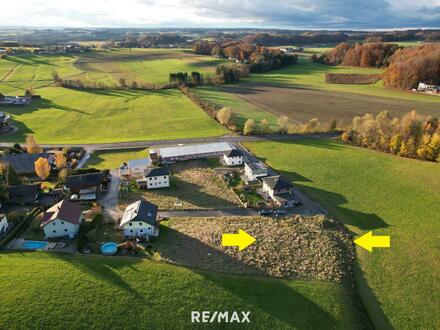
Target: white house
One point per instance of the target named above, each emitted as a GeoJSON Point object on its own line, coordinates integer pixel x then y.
{"type": "Point", "coordinates": [62, 219]}
{"type": "Point", "coordinates": [233, 157]}
{"type": "Point", "coordinates": [140, 220]}
{"type": "Point", "coordinates": [156, 177]}
{"type": "Point", "coordinates": [135, 168]}
{"type": "Point", "coordinates": [280, 191]}
{"type": "Point", "coordinates": [256, 170]}
{"type": "Point", "coordinates": [3, 223]}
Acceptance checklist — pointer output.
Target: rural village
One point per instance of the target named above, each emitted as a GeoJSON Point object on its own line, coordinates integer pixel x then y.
{"type": "Point", "coordinates": [287, 174]}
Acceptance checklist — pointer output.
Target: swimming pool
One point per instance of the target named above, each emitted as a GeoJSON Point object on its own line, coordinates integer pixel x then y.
{"type": "Point", "coordinates": [34, 245]}
{"type": "Point", "coordinates": [109, 248]}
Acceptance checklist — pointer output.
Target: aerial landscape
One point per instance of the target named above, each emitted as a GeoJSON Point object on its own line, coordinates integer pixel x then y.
{"type": "Point", "coordinates": [200, 164]}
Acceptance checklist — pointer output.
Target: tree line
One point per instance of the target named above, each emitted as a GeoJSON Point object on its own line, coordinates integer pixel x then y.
{"type": "Point", "coordinates": [410, 136]}
{"type": "Point", "coordinates": [259, 58]}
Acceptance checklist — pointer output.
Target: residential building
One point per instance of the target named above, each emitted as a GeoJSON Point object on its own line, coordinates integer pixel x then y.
{"type": "Point", "coordinates": [427, 88]}
{"type": "Point", "coordinates": [24, 194]}
{"type": "Point", "coordinates": [86, 186]}
{"type": "Point", "coordinates": [140, 220]}
{"type": "Point", "coordinates": [156, 177]}
{"type": "Point", "coordinates": [135, 168]}
{"type": "Point", "coordinates": [254, 170]}
{"type": "Point", "coordinates": [24, 163]}
{"type": "Point", "coordinates": [194, 151]}
{"type": "Point", "coordinates": [280, 191]}
{"type": "Point", "coordinates": [61, 220]}
{"type": "Point", "coordinates": [233, 157]}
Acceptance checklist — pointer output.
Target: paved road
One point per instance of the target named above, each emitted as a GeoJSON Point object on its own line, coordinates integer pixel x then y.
{"type": "Point", "coordinates": [225, 138]}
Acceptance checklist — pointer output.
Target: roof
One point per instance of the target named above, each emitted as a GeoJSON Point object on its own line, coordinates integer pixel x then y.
{"type": "Point", "coordinates": [194, 149]}
{"type": "Point", "coordinates": [285, 197]}
{"type": "Point", "coordinates": [256, 166]}
{"type": "Point", "coordinates": [233, 153]}
{"type": "Point", "coordinates": [140, 211]}
{"type": "Point", "coordinates": [277, 183]}
{"type": "Point", "coordinates": [64, 210]}
{"type": "Point", "coordinates": [157, 171]}
{"type": "Point", "coordinates": [138, 162]}
{"type": "Point", "coordinates": [84, 180]}
{"type": "Point", "coordinates": [24, 192]}
{"type": "Point", "coordinates": [23, 163]}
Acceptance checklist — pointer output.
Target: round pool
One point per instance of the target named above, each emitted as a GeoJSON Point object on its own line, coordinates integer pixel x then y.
{"type": "Point", "coordinates": [109, 248]}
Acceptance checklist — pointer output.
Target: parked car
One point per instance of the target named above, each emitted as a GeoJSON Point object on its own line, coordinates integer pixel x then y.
{"type": "Point", "coordinates": [279, 212]}
{"type": "Point", "coordinates": [265, 212]}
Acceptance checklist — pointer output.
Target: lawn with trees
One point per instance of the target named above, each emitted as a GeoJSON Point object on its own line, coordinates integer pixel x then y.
{"type": "Point", "coordinates": [48, 290]}
{"type": "Point", "coordinates": [72, 116]}
{"type": "Point", "coordinates": [370, 190]}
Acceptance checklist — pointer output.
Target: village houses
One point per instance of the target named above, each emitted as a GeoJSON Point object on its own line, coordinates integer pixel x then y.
{"type": "Point", "coordinates": [233, 157]}
{"type": "Point", "coordinates": [62, 220]}
{"type": "Point", "coordinates": [140, 220]}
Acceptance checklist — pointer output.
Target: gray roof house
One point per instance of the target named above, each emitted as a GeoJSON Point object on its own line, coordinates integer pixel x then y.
{"type": "Point", "coordinates": [24, 163]}
{"type": "Point", "coordinates": [140, 220]}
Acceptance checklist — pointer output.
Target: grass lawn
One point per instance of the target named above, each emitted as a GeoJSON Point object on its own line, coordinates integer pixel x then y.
{"type": "Point", "coordinates": [69, 116]}
{"type": "Point", "coordinates": [53, 291]}
{"type": "Point", "coordinates": [112, 159]}
{"type": "Point", "coordinates": [368, 190]}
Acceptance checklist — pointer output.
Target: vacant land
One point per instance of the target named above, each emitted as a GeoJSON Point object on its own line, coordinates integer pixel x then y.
{"type": "Point", "coordinates": [303, 248]}
{"type": "Point", "coordinates": [49, 291]}
{"type": "Point", "coordinates": [194, 185]}
{"type": "Point", "coordinates": [70, 116]}
{"type": "Point", "coordinates": [368, 190]}
{"type": "Point", "coordinates": [145, 66]}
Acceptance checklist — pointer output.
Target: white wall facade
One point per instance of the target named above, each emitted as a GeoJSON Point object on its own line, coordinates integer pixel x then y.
{"type": "Point", "coordinates": [60, 228]}
{"type": "Point", "coordinates": [155, 182]}
{"type": "Point", "coordinates": [3, 224]}
{"type": "Point", "coordinates": [267, 189]}
{"type": "Point", "coordinates": [140, 228]}
{"type": "Point", "coordinates": [233, 161]}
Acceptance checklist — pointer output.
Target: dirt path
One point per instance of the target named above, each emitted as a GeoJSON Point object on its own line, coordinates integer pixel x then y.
{"type": "Point", "coordinates": [109, 200]}
{"type": "Point", "coordinates": [10, 72]}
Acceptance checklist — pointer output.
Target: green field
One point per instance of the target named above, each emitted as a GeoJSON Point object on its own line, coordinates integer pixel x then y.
{"type": "Point", "coordinates": [70, 116]}
{"type": "Point", "coordinates": [53, 291]}
{"type": "Point", "coordinates": [145, 66]}
{"type": "Point", "coordinates": [394, 196]}
{"type": "Point", "coordinates": [112, 159]}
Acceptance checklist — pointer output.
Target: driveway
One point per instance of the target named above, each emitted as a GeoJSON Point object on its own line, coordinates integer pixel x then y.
{"type": "Point", "coordinates": [109, 200]}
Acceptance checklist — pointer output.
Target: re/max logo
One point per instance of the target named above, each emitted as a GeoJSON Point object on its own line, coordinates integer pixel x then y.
{"type": "Point", "coordinates": [220, 317]}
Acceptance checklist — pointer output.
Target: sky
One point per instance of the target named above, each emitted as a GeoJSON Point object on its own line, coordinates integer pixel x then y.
{"type": "Point", "coordinates": [293, 14]}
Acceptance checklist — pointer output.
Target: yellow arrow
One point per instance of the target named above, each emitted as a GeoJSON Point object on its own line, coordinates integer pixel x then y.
{"type": "Point", "coordinates": [242, 240]}
{"type": "Point", "coordinates": [368, 241]}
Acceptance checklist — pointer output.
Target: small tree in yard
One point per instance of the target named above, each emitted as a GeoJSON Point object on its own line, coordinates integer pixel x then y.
{"type": "Point", "coordinates": [60, 160]}
{"type": "Point", "coordinates": [224, 116]}
{"type": "Point", "coordinates": [333, 125]}
{"type": "Point", "coordinates": [63, 174]}
{"type": "Point", "coordinates": [249, 127]}
{"type": "Point", "coordinates": [31, 145]}
{"type": "Point", "coordinates": [122, 82]}
{"type": "Point", "coordinates": [42, 168]}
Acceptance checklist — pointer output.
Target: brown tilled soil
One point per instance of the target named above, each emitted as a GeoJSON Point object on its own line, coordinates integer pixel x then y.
{"type": "Point", "coordinates": [298, 247]}
{"type": "Point", "coordinates": [302, 105]}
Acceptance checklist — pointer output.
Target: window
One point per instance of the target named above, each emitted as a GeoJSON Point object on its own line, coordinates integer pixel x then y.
{"type": "Point", "coordinates": [164, 177]}
{"type": "Point", "coordinates": [53, 223]}
{"type": "Point", "coordinates": [142, 230]}
{"type": "Point", "coordinates": [140, 223]}
{"type": "Point", "coordinates": [62, 222]}
{"type": "Point", "coordinates": [151, 179]}
{"type": "Point", "coordinates": [131, 230]}
{"type": "Point", "coordinates": [65, 230]}
{"type": "Point", "coordinates": [54, 231]}
{"type": "Point", "coordinates": [130, 224]}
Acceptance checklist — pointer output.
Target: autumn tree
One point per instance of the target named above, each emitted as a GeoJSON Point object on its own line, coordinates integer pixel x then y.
{"type": "Point", "coordinates": [42, 168]}
{"type": "Point", "coordinates": [311, 126]}
{"type": "Point", "coordinates": [249, 127]}
{"type": "Point", "coordinates": [31, 145]}
{"type": "Point", "coordinates": [283, 124]}
{"type": "Point", "coordinates": [63, 174]}
{"type": "Point", "coordinates": [60, 160]}
{"type": "Point", "coordinates": [224, 116]}
{"type": "Point", "coordinates": [265, 126]}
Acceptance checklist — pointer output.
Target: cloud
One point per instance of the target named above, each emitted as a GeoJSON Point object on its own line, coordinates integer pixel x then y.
{"type": "Point", "coordinates": [324, 14]}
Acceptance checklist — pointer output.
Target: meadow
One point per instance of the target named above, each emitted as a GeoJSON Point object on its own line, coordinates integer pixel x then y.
{"type": "Point", "coordinates": [369, 190]}
{"type": "Point", "coordinates": [49, 291]}
{"type": "Point", "coordinates": [112, 159]}
{"type": "Point", "coordinates": [145, 66]}
{"type": "Point", "coordinates": [72, 116]}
